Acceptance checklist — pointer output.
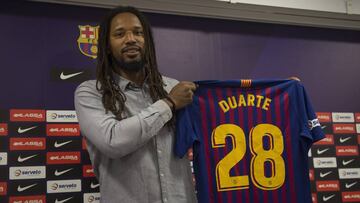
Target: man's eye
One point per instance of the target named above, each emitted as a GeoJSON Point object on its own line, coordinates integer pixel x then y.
{"type": "Point", "coordinates": [139, 32]}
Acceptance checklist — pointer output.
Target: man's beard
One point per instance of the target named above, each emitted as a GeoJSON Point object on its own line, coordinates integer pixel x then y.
{"type": "Point", "coordinates": [132, 66]}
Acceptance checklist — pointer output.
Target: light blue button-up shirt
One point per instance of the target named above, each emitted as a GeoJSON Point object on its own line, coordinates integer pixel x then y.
{"type": "Point", "coordinates": [133, 158]}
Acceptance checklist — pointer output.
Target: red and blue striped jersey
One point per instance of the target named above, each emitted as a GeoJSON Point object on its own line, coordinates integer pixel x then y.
{"type": "Point", "coordinates": [250, 140]}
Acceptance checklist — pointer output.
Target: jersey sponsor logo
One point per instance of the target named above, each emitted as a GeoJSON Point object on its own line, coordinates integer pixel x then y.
{"type": "Point", "coordinates": [351, 196]}
{"type": "Point", "coordinates": [27, 115]}
{"type": "Point", "coordinates": [63, 130]}
{"type": "Point", "coordinates": [27, 172]}
{"type": "Point", "coordinates": [325, 162]}
{"type": "Point", "coordinates": [327, 140]}
{"type": "Point", "coordinates": [327, 185]}
{"type": "Point", "coordinates": [60, 186]}
{"type": "Point", "coordinates": [63, 200]}
{"type": "Point", "coordinates": [21, 188]}
{"type": "Point", "coordinates": [91, 197]}
{"type": "Point", "coordinates": [64, 76]}
{"type": "Point", "coordinates": [59, 173]}
{"type": "Point", "coordinates": [61, 116]}
{"type": "Point", "coordinates": [63, 157]}
{"type": "Point", "coordinates": [3, 188]}
{"type": "Point", "coordinates": [326, 198]}
{"type": "Point", "coordinates": [314, 123]}
{"type": "Point", "coordinates": [27, 143]}
{"type": "Point", "coordinates": [3, 129]}
{"type": "Point", "coordinates": [88, 171]}
{"type": "Point", "coordinates": [342, 117]}
{"type": "Point", "coordinates": [321, 151]}
{"type": "Point", "coordinates": [246, 100]}
{"type": "Point", "coordinates": [3, 158]}
{"type": "Point", "coordinates": [347, 151]}
{"type": "Point", "coordinates": [357, 117]}
{"type": "Point", "coordinates": [88, 40]}
{"type": "Point", "coordinates": [28, 199]}
{"type": "Point", "coordinates": [350, 185]}
{"type": "Point", "coordinates": [322, 175]}
{"type": "Point", "coordinates": [345, 163]}
{"type": "Point", "coordinates": [23, 159]}
{"type": "Point", "coordinates": [349, 173]}
{"type": "Point", "coordinates": [344, 128]}
{"type": "Point", "coordinates": [324, 117]}
{"type": "Point", "coordinates": [24, 130]}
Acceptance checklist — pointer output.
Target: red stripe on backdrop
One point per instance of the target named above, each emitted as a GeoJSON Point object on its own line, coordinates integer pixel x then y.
{"type": "Point", "coordinates": [202, 104]}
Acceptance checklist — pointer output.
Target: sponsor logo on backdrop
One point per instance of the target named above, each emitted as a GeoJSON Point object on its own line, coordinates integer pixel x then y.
{"type": "Point", "coordinates": [344, 128]}
{"type": "Point", "coordinates": [27, 115]}
{"type": "Point", "coordinates": [63, 157]}
{"type": "Point", "coordinates": [351, 196]}
{"type": "Point", "coordinates": [3, 129]}
{"type": "Point", "coordinates": [347, 151]}
{"type": "Point", "coordinates": [62, 130]}
{"type": "Point", "coordinates": [94, 185]}
{"type": "Point", "coordinates": [328, 197]}
{"type": "Point", "coordinates": [349, 173]}
{"type": "Point", "coordinates": [83, 141]}
{"type": "Point", "coordinates": [311, 174]}
{"type": "Point", "coordinates": [59, 144]}
{"type": "Point", "coordinates": [350, 184]}
{"type": "Point", "coordinates": [27, 172]}
{"type": "Point", "coordinates": [358, 128]}
{"type": "Point", "coordinates": [22, 188]}
{"type": "Point", "coordinates": [62, 172]}
{"type": "Point", "coordinates": [28, 199]}
{"type": "Point", "coordinates": [328, 140]}
{"type": "Point", "coordinates": [324, 174]}
{"type": "Point", "coordinates": [22, 130]}
{"type": "Point", "coordinates": [358, 139]}
{"type": "Point", "coordinates": [3, 158]}
{"type": "Point", "coordinates": [325, 162]}
{"type": "Point", "coordinates": [23, 158]}
{"type": "Point", "coordinates": [36, 143]}
{"type": "Point", "coordinates": [88, 40]}
{"type": "Point", "coordinates": [60, 186]}
{"type": "Point", "coordinates": [345, 139]}
{"type": "Point", "coordinates": [322, 151]}
{"type": "Point", "coordinates": [327, 185]}
{"type": "Point", "coordinates": [91, 197]}
{"type": "Point", "coordinates": [314, 198]}
{"type": "Point", "coordinates": [357, 117]}
{"type": "Point", "coordinates": [347, 162]}
{"type": "Point", "coordinates": [324, 117]}
{"type": "Point", "coordinates": [3, 188]}
{"type": "Point", "coordinates": [63, 200]}
{"type": "Point", "coordinates": [61, 116]}
{"type": "Point", "coordinates": [342, 117]}
{"type": "Point", "coordinates": [64, 76]}
{"type": "Point", "coordinates": [88, 171]}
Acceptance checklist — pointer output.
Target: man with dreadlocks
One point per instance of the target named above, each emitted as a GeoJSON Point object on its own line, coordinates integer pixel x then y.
{"type": "Point", "coordinates": [126, 116]}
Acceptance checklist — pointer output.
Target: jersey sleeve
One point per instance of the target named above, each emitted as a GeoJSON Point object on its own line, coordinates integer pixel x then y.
{"type": "Point", "coordinates": [185, 132]}
{"type": "Point", "coordinates": [311, 127]}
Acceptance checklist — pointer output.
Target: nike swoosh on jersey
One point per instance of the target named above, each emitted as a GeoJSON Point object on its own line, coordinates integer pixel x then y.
{"type": "Point", "coordinates": [325, 174]}
{"type": "Point", "coordinates": [20, 159]}
{"type": "Point", "coordinates": [25, 129]}
{"type": "Point", "coordinates": [67, 76]}
{"type": "Point", "coordinates": [350, 185]}
{"type": "Point", "coordinates": [62, 201]}
{"type": "Point", "coordinates": [59, 173]}
{"type": "Point", "coordinates": [21, 189]}
{"type": "Point", "coordinates": [322, 151]}
{"type": "Point", "coordinates": [347, 162]}
{"type": "Point", "coordinates": [92, 185]}
{"type": "Point", "coordinates": [57, 145]}
{"type": "Point", "coordinates": [325, 199]}
{"type": "Point", "coordinates": [344, 140]}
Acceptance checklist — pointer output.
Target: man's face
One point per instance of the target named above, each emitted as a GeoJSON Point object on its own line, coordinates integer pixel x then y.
{"type": "Point", "coordinates": [126, 41]}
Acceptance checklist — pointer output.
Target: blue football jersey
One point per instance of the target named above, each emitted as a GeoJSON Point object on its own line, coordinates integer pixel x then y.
{"type": "Point", "coordinates": [250, 140]}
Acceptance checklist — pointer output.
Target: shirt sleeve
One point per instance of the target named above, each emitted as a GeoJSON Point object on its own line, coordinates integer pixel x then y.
{"type": "Point", "coordinates": [311, 127]}
{"type": "Point", "coordinates": [185, 132]}
{"type": "Point", "coordinates": [112, 137]}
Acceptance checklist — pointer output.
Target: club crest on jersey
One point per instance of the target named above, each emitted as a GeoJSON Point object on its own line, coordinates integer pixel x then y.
{"type": "Point", "coordinates": [88, 40]}
{"type": "Point", "coordinates": [313, 123]}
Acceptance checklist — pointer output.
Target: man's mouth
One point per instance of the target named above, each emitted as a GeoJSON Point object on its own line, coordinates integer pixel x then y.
{"type": "Point", "coordinates": [131, 50]}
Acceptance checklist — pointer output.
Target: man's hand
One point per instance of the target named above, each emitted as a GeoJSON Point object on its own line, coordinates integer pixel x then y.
{"type": "Point", "coordinates": [182, 94]}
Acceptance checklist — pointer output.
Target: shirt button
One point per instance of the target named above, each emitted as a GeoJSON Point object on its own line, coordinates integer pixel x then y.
{"type": "Point", "coordinates": [165, 200]}
{"type": "Point", "coordinates": [159, 151]}
{"type": "Point", "coordinates": [161, 174]}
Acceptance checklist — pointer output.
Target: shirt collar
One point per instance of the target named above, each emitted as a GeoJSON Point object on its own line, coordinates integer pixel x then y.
{"type": "Point", "coordinates": [126, 84]}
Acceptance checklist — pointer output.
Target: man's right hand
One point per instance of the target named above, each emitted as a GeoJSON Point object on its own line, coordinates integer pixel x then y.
{"type": "Point", "coordinates": [182, 94]}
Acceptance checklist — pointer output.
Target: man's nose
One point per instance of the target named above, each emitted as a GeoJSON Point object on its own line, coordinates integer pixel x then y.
{"type": "Point", "coordinates": [129, 37]}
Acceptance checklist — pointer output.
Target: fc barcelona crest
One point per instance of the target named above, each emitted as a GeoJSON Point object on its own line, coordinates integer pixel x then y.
{"type": "Point", "coordinates": [88, 40]}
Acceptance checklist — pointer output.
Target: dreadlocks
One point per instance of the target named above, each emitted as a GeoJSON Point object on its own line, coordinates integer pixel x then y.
{"type": "Point", "coordinates": [113, 98]}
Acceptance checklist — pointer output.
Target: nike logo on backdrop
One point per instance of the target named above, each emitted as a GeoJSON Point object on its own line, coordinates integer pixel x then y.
{"type": "Point", "coordinates": [350, 185]}
{"type": "Point", "coordinates": [322, 151]}
{"type": "Point", "coordinates": [67, 76]}
{"type": "Point", "coordinates": [59, 173]}
{"type": "Point", "coordinates": [25, 129]}
{"type": "Point", "coordinates": [57, 145]}
{"type": "Point", "coordinates": [325, 174]}
{"type": "Point", "coordinates": [328, 197]}
{"type": "Point", "coordinates": [62, 201]}
{"type": "Point", "coordinates": [20, 159]}
{"type": "Point", "coordinates": [344, 140]}
{"type": "Point", "coordinates": [21, 189]}
{"type": "Point", "coordinates": [93, 186]}
{"type": "Point", "coordinates": [347, 162]}
{"type": "Point", "coordinates": [324, 126]}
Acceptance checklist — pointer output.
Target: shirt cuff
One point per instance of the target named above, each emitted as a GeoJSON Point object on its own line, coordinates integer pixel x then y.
{"type": "Point", "coordinates": [164, 110]}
